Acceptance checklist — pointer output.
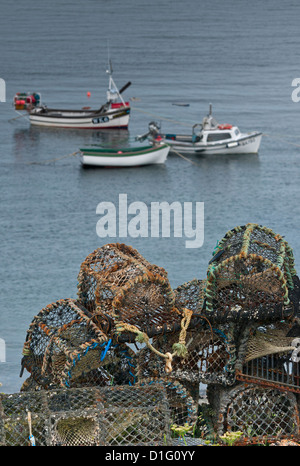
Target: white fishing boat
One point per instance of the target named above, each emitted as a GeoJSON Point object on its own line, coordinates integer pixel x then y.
{"type": "Point", "coordinates": [128, 157]}
{"type": "Point", "coordinates": [210, 137]}
{"type": "Point", "coordinates": [114, 113]}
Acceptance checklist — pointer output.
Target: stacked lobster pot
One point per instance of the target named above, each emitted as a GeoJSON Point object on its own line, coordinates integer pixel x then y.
{"type": "Point", "coordinates": [237, 332]}
{"type": "Point", "coordinates": [125, 305]}
{"type": "Point", "coordinates": [252, 303]}
{"type": "Point", "coordinates": [133, 302]}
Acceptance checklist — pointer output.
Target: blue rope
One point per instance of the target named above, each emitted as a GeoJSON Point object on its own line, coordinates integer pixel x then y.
{"type": "Point", "coordinates": [106, 349]}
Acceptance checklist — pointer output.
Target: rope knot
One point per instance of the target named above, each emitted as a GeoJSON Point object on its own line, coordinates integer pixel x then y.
{"type": "Point", "coordinates": [168, 366]}
{"type": "Point", "coordinates": [180, 349]}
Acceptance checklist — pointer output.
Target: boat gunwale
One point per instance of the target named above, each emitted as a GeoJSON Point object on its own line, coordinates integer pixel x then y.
{"type": "Point", "coordinates": [127, 152]}
{"type": "Point", "coordinates": [81, 113]}
{"type": "Point", "coordinates": [175, 142]}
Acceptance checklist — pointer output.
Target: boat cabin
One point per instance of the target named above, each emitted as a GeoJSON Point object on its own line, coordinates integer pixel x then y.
{"type": "Point", "coordinates": [216, 134]}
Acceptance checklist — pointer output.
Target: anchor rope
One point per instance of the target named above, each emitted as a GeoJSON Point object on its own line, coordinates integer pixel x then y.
{"type": "Point", "coordinates": [281, 139]}
{"type": "Point", "coordinates": [55, 159]}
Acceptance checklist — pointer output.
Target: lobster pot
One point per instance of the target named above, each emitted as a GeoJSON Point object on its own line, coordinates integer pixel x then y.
{"type": "Point", "coordinates": [251, 276]}
{"type": "Point", "coordinates": [183, 409]}
{"type": "Point", "coordinates": [103, 365]}
{"type": "Point", "coordinates": [210, 358]}
{"type": "Point", "coordinates": [262, 414]}
{"type": "Point", "coordinates": [64, 347]}
{"type": "Point", "coordinates": [106, 270]}
{"type": "Point", "coordinates": [147, 303]}
{"type": "Point", "coordinates": [86, 417]}
{"type": "Point", "coordinates": [184, 370]}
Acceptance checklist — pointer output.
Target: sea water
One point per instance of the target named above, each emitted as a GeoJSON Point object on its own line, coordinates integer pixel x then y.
{"type": "Point", "coordinates": [240, 56]}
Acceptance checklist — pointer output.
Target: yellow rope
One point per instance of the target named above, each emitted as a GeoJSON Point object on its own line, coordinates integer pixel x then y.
{"type": "Point", "coordinates": [178, 348]}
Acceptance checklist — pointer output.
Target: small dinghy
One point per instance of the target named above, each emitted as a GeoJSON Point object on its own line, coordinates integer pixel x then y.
{"type": "Point", "coordinates": [210, 138]}
{"type": "Point", "coordinates": [129, 157]}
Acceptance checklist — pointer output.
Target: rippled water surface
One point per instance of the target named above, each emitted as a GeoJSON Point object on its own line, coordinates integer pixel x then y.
{"type": "Point", "coordinates": [239, 56]}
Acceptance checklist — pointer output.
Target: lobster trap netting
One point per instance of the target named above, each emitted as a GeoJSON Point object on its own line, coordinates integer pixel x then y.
{"type": "Point", "coordinates": [106, 270]}
{"type": "Point", "coordinates": [182, 406]}
{"type": "Point", "coordinates": [147, 303]}
{"type": "Point", "coordinates": [185, 369]}
{"type": "Point", "coordinates": [86, 417]}
{"type": "Point", "coordinates": [271, 357]}
{"type": "Point", "coordinates": [64, 347]}
{"type": "Point", "coordinates": [130, 329]}
{"type": "Point", "coordinates": [190, 295]}
{"type": "Point", "coordinates": [210, 358]}
{"type": "Point", "coordinates": [260, 413]}
{"type": "Point", "coordinates": [251, 276]}
{"type": "Point", "coordinates": [118, 285]}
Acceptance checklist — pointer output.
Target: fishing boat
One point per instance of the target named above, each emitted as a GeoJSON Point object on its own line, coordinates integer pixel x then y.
{"type": "Point", "coordinates": [209, 137]}
{"type": "Point", "coordinates": [129, 157]}
{"type": "Point", "coordinates": [114, 113]}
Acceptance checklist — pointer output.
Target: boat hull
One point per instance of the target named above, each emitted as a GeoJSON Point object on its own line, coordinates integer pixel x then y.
{"type": "Point", "coordinates": [247, 145]}
{"type": "Point", "coordinates": [147, 156]}
{"type": "Point", "coordinates": [85, 120]}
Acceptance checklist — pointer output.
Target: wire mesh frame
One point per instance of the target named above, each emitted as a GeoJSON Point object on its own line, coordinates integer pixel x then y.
{"type": "Point", "coordinates": [185, 370]}
{"type": "Point", "coordinates": [86, 416]}
{"type": "Point", "coordinates": [250, 276]}
{"type": "Point", "coordinates": [217, 356]}
{"type": "Point", "coordinates": [277, 370]}
{"type": "Point", "coordinates": [260, 413]}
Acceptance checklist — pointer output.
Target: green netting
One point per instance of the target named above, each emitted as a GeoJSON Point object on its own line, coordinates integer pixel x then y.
{"type": "Point", "coordinates": [251, 276]}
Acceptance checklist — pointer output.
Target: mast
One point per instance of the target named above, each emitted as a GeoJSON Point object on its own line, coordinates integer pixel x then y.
{"type": "Point", "coordinates": [113, 92]}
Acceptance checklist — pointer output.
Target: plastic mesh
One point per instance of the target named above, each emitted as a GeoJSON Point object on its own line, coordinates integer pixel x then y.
{"type": "Point", "coordinates": [183, 409]}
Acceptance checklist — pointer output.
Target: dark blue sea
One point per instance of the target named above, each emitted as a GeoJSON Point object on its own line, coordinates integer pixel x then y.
{"type": "Point", "coordinates": [240, 56]}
